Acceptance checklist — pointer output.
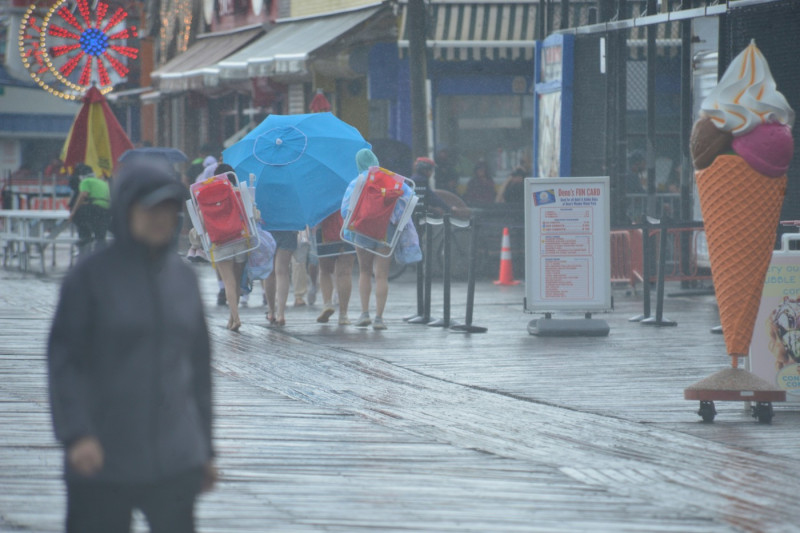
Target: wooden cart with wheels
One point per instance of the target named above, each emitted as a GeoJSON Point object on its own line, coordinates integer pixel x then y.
{"type": "Point", "coordinates": [731, 385]}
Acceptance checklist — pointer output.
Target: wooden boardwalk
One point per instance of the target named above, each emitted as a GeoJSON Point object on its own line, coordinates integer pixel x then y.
{"type": "Point", "coordinates": [329, 428]}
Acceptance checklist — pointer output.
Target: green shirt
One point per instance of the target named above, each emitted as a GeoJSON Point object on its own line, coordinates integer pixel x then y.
{"type": "Point", "coordinates": [97, 190]}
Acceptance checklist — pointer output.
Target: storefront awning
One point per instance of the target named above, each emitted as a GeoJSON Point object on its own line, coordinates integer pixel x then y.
{"type": "Point", "coordinates": [477, 31]}
{"type": "Point", "coordinates": [126, 94]}
{"type": "Point", "coordinates": [189, 69]}
{"type": "Point", "coordinates": [285, 50]}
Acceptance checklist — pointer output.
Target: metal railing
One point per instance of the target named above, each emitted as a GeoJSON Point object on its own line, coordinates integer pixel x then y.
{"type": "Point", "coordinates": [36, 192]}
{"type": "Point", "coordinates": [665, 204]}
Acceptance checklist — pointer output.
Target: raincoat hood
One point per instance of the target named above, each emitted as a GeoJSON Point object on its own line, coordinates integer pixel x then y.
{"type": "Point", "coordinates": [365, 158]}
{"type": "Point", "coordinates": [144, 182]}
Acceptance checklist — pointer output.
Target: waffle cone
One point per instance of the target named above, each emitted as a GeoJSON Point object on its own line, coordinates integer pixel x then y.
{"type": "Point", "coordinates": [741, 209]}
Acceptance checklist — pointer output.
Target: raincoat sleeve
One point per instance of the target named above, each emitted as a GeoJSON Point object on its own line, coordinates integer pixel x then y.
{"type": "Point", "coordinates": [201, 353]}
{"type": "Point", "coordinates": [348, 194]}
{"type": "Point", "coordinates": [401, 204]}
{"type": "Point", "coordinates": [68, 360]}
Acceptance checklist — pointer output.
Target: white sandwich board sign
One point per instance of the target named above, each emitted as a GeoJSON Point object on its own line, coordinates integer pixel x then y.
{"type": "Point", "coordinates": [567, 244]}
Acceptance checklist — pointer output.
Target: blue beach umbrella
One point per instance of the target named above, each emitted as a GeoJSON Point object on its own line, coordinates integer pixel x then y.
{"type": "Point", "coordinates": [302, 166]}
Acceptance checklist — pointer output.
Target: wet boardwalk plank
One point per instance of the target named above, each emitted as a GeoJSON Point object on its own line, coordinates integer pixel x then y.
{"type": "Point", "coordinates": [322, 428]}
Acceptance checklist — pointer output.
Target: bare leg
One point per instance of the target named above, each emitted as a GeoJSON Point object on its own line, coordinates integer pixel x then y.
{"type": "Point", "coordinates": [382, 265]}
{"type": "Point", "coordinates": [227, 271]}
{"type": "Point", "coordinates": [269, 290]}
{"type": "Point", "coordinates": [300, 273]}
{"type": "Point", "coordinates": [282, 260]}
{"type": "Point", "coordinates": [344, 281]}
{"type": "Point", "coordinates": [313, 278]}
{"type": "Point", "coordinates": [365, 260]}
{"type": "Point", "coordinates": [238, 272]}
{"type": "Point", "coordinates": [326, 269]}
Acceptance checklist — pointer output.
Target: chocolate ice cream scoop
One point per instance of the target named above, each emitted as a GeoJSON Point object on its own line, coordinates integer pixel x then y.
{"type": "Point", "coordinates": [707, 142]}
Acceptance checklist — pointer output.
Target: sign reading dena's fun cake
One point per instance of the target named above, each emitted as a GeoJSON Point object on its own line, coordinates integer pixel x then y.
{"type": "Point", "coordinates": [567, 242]}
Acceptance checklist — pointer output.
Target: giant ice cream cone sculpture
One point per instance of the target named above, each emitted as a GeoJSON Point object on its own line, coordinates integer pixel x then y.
{"type": "Point", "coordinates": [741, 146]}
{"type": "Point", "coordinates": [741, 209]}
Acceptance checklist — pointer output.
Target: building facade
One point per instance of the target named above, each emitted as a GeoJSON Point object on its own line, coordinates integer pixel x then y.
{"type": "Point", "coordinates": [637, 65]}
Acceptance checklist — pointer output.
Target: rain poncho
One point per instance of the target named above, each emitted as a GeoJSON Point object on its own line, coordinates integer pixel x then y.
{"type": "Point", "coordinates": [260, 260]}
{"type": "Point", "coordinates": [128, 352]}
{"type": "Point", "coordinates": [349, 201]}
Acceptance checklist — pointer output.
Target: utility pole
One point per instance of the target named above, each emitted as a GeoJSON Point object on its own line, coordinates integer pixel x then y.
{"type": "Point", "coordinates": [419, 73]}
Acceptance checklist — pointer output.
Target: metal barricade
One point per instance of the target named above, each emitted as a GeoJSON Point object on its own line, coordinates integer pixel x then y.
{"type": "Point", "coordinates": [681, 261]}
{"type": "Point", "coordinates": [673, 258]}
{"type": "Point", "coordinates": [627, 263]}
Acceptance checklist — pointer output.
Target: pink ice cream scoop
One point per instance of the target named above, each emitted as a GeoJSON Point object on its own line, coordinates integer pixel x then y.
{"type": "Point", "coordinates": [768, 148]}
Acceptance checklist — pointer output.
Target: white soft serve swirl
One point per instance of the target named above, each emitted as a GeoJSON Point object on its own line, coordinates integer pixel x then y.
{"type": "Point", "coordinates": [746, 96]}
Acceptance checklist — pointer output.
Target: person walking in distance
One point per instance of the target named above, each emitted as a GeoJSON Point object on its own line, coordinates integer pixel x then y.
{"type": "Point", "coordinates": [90, 211]}
{"type": "Point", "coordinates": [369, 264]}
{"type": "Point", "coordinates": [480, 188]}
{"type": "Point", "coordinates": [336, 261]}
{"type": "Point", "coordinates": [129, 369]}
{"type": "Point", "coordinates": [429, 200]}
{"type": "Point", "coordinates": [277, 284]}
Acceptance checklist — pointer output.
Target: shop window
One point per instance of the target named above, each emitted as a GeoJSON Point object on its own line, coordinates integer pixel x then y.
{"type": "Point", "coordinates": [234, 7]}
{"type": "Point", "coordinates": [496, 128]}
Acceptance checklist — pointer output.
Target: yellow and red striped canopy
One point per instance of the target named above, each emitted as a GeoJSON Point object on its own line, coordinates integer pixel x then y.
{"type": "Point", "coordinates": [96, 137]}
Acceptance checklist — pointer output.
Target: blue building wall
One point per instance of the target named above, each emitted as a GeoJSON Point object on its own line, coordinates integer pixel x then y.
{"type": "Point", "coordinates": [389, 79]}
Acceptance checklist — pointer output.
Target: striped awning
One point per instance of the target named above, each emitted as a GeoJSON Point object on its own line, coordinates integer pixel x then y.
{"type": "Point", "coordinates": [668, 38]}
{"type": "Point", "coordinates": [476, 31]}
{"type": "Point", "coordinates": [286, 49]}
{"type": "Point", "coordinates": [189, 69]}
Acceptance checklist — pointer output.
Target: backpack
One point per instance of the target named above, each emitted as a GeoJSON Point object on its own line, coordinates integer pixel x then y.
{"type": "Point", "coordinates": [222, 211]}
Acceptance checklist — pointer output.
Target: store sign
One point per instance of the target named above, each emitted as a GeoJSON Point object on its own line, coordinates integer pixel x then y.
{"type": "Point", "coordinates": [552, 63]}
{"type": "Point", "coordinates": [567, 244]}
{"type": "Point", "coordinates": [553, 97]}
{"type": "Point", "coordinates": [775, 347]}
{"type": "Point", "coordinates": [548, 153]}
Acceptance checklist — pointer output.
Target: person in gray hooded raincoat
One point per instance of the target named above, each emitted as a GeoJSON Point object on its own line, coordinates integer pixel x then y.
{"type": "Point", "coordinates": [129, 369]}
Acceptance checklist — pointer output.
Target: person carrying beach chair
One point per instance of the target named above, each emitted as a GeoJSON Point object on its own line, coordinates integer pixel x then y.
{"type": "Point", "coordinates": [222, 213]}
{"type": "Point", "coordinates": [376, 209]}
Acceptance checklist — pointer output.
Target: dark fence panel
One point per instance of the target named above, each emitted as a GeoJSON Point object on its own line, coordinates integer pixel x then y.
{"type": "Point", "coordinates": [774, 26]}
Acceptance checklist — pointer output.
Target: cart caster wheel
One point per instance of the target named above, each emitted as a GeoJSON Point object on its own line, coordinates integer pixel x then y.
{"type": "Point", "coordinates": [707, 411]}
{"type": "Point", "coordinates": [763, 412]}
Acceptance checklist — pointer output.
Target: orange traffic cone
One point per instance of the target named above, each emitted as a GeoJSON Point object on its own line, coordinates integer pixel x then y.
{"type": "Point", "coordinates": [506, 271]}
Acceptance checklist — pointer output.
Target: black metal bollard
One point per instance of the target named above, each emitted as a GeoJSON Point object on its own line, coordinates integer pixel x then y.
{"type": "Point", "coordinates": [420, 282]}
{"type": "Point", "coordinates": [659, 320]}
{"type": "Point", "coordinates": [425, 317]}
{"type": "Point", "coordinates": [646, 274]}
{"type": "Point", "coordinates": [467, 327]}
{"type": "Point", "coordinates": [445, 320]}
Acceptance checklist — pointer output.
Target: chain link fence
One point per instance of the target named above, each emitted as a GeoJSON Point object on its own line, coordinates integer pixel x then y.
{"type": "Point", "coordinates": [613, 109]}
